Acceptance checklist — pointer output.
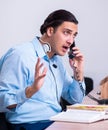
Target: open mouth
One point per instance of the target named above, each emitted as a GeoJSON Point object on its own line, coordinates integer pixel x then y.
{"type": "Point", "coordinates": [65, 48]}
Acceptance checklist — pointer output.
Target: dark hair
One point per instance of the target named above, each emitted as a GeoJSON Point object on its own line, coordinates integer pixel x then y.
{"type": "Point", "coordinates": [56, 18]}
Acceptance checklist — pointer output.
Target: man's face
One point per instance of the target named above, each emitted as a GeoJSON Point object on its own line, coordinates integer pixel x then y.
{"type": "Point", "coordinates": [62, 38]}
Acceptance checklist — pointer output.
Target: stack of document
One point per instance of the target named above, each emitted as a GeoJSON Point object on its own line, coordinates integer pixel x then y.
{"type": "Point", "coordinates": [83, 113]}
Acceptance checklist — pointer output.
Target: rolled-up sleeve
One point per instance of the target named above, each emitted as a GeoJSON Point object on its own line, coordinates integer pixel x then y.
{"type": "Point", "coordinates": [73, 91]}
{"type": "Point", "coordinates": [13, 79]}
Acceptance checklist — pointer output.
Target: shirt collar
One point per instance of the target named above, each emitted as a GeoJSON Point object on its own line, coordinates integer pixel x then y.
{"type": "Point", "coordinates": [38, 48]}
{"type": "Point", "coordinates": [40, 51]}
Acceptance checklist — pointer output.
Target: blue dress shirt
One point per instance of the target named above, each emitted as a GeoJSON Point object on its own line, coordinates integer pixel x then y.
{"type": "Point", "coordinates": [17, 68]}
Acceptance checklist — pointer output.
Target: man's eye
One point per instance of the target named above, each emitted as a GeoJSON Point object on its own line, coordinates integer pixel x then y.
{"type": "Point", "coordinates": [75, 35]}
{"type": "Point", "coordinates": [66, 33]}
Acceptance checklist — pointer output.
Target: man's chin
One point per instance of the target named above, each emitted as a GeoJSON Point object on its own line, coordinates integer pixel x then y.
{"type": "Point", "coordinates": [62, 54]}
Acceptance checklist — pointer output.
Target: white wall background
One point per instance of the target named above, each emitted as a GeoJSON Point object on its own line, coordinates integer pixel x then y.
{"type": "Point", "coordinates": [20, 21]}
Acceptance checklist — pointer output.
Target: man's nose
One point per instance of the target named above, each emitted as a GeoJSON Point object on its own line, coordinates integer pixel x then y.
{"type": "Point", "coordinates": [71, 39]}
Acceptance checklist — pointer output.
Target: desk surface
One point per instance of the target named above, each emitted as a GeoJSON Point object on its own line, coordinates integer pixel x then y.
{"type": "Point", "coordinates": [100, 125]}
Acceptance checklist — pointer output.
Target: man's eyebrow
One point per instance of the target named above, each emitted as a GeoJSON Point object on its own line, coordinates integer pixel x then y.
{"type": "Point", "coordinates": [68, 29]}
{"type": "Point", "coordinates": [71, 31]}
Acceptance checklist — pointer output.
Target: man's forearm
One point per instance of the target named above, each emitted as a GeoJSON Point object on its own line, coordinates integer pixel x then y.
{"type": "Point", "coordinates": [78, 75]}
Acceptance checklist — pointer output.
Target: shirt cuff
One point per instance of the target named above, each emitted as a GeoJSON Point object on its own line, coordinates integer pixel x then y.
{"type": "Point", "coordinates": [82, 85]}
{"type": "Point", "coordinates": [21, 97]}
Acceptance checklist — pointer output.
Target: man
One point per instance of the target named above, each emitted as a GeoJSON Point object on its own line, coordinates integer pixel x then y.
{"type": "Point", "coordinates": [33, 78]}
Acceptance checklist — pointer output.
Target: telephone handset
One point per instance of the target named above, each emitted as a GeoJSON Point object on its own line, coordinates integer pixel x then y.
{"type": "Point", "coordinates": [71, 55]}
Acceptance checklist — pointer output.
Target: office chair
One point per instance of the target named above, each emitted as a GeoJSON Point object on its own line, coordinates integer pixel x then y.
{"type": "Point", "coordinates": [3, 122]}
{"type": "Point", "coordinates": [89, 84]}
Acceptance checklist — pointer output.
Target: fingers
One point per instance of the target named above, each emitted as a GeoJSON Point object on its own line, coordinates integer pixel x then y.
{"type": "Point", "coordinates": [77, 53]}
{"type": "Point", "coordinates": [44, 71]}
{"type": "Point", "coordinates": [38, 64]}
{"type": "Point", "coordinates": [40, 70]}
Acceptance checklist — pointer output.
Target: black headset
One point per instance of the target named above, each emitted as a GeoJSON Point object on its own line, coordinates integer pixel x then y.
{"type": "Point", "coordinates": [99, 101]}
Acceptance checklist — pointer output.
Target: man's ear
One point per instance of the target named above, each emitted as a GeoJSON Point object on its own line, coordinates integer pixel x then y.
{"type": "Point", "coordinates": [50, 31]}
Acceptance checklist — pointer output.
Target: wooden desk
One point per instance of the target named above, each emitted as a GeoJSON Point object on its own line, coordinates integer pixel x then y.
{"type": "Point", "coordinates": [100, 125]}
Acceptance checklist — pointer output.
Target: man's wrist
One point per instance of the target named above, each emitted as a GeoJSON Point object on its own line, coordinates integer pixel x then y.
{"type": "Point", "coordinates": [78, 75]}
{"type": "Point", "coordinates": [79, 78]}
{"type": "Point", "coordinates": [29, 91]}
